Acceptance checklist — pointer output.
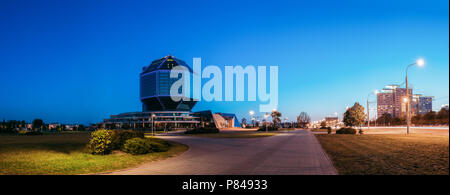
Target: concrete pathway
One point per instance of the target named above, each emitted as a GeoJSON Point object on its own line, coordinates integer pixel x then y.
{"type": "Point", "coordinates": [296, 152]}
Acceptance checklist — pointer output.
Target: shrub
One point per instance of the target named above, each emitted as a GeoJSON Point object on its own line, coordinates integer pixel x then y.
{"type": "Point", "coordinates": [348, 130]}
{"type": "Point", "coordinates": [158, 147]}
{"type": "Point", "coordinates": [101, 142]}
{"type": "Point", "coordinates": [203, 130]}
{"type": "Point", "coordinates": [120, 136]}
{"type": "Point", "coordinates": [138, 146]}
{"type": "Point", "coordinates": [161, 141]}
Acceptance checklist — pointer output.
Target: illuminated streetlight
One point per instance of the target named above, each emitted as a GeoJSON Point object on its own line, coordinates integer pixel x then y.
{"type": "Point", "coordinates": [153, 131]}
{"type": "Point", "coordinates": [376, 93]}
{"type": "Point", "coordinates": [265, 119]}
{"type": "Point", "coordinates": [251, 115]}
{"type": "Point", "coordinates": [420, 62]}
{"type": "Point", "coordinates": [368, 108]}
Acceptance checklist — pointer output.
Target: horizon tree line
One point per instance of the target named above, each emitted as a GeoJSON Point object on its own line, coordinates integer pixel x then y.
{"type": "Point", "coordinates": [12, 126]}
{"type": "Point", "coordinates": [430, 118]}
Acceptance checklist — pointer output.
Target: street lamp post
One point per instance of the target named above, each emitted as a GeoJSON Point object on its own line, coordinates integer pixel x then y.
{"type": "Point", "coordinates": [420, 63]}
{"type": "Point", "coordinates": [251, 116]}
{"type": "Point", "coordinates": [153, 125]}
{"type": "Point", "coordinates": [337, 123]}
{"type": "Point", "coordinates": [265, 120]}
{"type": "Point", "coordinates": [368, 108]}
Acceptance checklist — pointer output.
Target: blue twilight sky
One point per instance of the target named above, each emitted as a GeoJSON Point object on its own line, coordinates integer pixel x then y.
{"type": "Point", "coordinates": [79, 61]}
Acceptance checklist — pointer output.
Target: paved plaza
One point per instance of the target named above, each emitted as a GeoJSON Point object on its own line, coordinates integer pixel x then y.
{"type": "Point", "coordinates": [288, 153]}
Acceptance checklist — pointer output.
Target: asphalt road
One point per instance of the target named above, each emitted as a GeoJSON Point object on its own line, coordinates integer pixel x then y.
{"type": "Point", "coordinates": [295, 153]}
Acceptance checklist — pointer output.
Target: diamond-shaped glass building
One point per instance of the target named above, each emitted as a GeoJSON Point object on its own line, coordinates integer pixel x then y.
{"type": "Point", "coordinates": [159, 110]}
{"type": "Point", "coordinates": [155, 84]}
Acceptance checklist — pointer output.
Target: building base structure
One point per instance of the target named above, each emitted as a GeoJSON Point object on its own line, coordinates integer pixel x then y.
{"type": "Point", "coordinates": [170, 120]}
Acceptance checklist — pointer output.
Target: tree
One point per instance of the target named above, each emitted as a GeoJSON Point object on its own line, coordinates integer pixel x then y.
{"type": "Point", "coordinates": [354, 116]}
{"type": "Point", "coordinates": [323, 124]}
{"type": "Point", "coordinates": [385, 119]}
{"type": "Point", "coordinates": [303, 119]}
{"type": "Point", "coordinates": [37, 124]}
{"type": "Point", "coordinates": [3, 126]}
{"type": "Point", "coordinates": [62, 127]}
{"type": "Point", "coordinates": [276, 118]}
{"type": "Point", "coordinates": [443, 116]}
{"type": "Point", "coordinates": [244, 122]}
{"type": "Point", "coordinates": [417, 119]}
{"type": "Point", "coordinates": [430, 117]}
{"type": "Point", "coordinates": [398, 121]}
{"type": "Point", "coordinates": [81, 128]}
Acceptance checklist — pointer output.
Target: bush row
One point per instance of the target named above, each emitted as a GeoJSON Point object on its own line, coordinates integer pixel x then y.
{"type": "Point", "coordinates": [105, 141]}
{"type": "Point", "coordinates": [120, 136]}
{"type": "Point", "coordinates": [346, 130]}
{"type": "Point", "coordinates": [143, 146]}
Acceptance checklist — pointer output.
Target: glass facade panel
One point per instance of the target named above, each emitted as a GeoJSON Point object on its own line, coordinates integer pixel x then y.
{"type": "Point", "coordinates": [165, 83]}
{"type": "Point", "coordinates": [148, 85]}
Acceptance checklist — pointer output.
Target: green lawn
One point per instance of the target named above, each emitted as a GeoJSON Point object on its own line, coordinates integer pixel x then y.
{"type": "Point", "coordinates": [388, 154]}
{"type": "Point", "coordinates": [63, 154]}
{"type": "Point", "coordinates": [235, 134]}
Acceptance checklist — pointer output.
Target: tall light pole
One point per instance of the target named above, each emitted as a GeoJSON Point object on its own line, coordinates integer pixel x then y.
{"type": "Point", "coordinates": [368, 108]}
{"type": "Point", "coordinates": [420, 63]}
{"type": "Point", "coordinates": [153, 131]}
{"type": "Point", "coordinates": [251, 115]}
{"type": "Point", "coordinates": [337, 123]}
{"type": "Point", "coordinates": [265, 120]}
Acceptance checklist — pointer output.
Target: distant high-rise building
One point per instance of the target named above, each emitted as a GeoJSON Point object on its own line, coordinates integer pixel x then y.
{"type": "Point", "coordinates": [391, 100]}
{"type": "Point", "coordinates": [400, 103]}
{"type": "Point", "coordinates": [385, 101]}
{"type": "Point", "coordinates": [415, 103]}
{"type": "Point", "coordinates": [425, 104]}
